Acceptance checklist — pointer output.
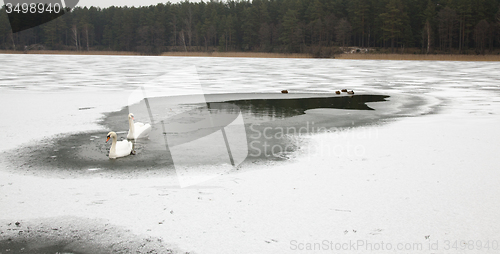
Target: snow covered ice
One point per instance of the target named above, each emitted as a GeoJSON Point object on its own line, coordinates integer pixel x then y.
{"type": "Point", "coordinates": [429, 176]}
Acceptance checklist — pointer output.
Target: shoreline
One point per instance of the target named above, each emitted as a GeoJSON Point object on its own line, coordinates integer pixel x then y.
{"type": "Point", "coordinates": [345, 56]}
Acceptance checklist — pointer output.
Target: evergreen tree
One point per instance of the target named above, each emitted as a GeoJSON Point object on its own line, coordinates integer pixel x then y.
{"type": "Point", "coordinates": [269, 25]}
{"type": "Point", "coordinates": [392, 22]}
{"type": "Point", "coordinates": [289, 34]}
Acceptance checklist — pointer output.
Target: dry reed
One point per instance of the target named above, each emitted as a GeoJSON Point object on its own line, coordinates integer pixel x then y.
{"type": "Point", "coordinates": [419, 57]}
{"type": "Point", "coordinates": [237, 54]}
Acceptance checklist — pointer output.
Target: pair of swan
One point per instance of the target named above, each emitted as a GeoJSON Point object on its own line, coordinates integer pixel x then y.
{"type": "Point", "coordinates": [125, 147]}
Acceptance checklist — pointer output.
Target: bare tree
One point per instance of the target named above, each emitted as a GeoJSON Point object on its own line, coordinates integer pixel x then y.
{"type": "Point", "coordinates": [143, 41]}
{"type": "Point", "coordinates": [497, 16]}
{"type": "Point", "coordinates": [75, 36]}
{"type": "Point", "coordinates": [174, 23]}
{"type": "Point", "coordinates": [329, 28]}
{"type": "Point", "coordinates": [11, 35]}
{"type": "Point", "coordinates": [189, 24]}
{"type": "Point", "coordinates": [496, 26]}
{"type": "Point", "coordinates": [427, 35]}
{"type": "Point", "coordinates": [429, 14]}
{"type": "Point", "coordinates": [265, 36]}
{"type": "Point", "coordinates": [181, 33]}
{"type": "Point", "coordinates": [86, 29]}
{"type": "Point", "coordinates": [448, 20]}
{"type": "Point", "coordinates": [343, 31]}
{"type": "Point", "coordinates": [481, 35]}
{"type": "Point", "coordinates": [158, 33]}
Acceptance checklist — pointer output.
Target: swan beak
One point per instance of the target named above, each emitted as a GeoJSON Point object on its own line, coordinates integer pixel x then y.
{"type": "Point", "coordinates": [107, 140]}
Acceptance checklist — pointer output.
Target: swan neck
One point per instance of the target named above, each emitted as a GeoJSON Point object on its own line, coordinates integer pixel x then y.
{"type": "Point", "coordinates": [113, 145]}
{"type": "Point", "coordinates": [131, 125]}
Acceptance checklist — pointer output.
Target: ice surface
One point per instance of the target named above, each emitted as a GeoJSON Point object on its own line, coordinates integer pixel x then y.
{"type": "Point", "coordinates": [421, 179]}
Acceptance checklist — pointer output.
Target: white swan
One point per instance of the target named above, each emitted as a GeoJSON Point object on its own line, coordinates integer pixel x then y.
{"type": "Point", "coordinates": [119, 148]}
{"type": "Point", "coordinates": [137, 130]}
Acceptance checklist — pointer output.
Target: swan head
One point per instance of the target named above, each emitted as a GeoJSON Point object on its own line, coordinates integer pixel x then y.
{"type": "Point", "coordinates": [131, 116]}
{"type": "Point", "coordinates": [111, 134]}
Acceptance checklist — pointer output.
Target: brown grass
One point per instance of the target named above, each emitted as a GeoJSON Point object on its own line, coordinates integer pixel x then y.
{"type": "Point", "coordinates": [238, 54]}
{"type": "Point", "coordinates": [419, 57]}
{"type": "Point", "coordinates": [368, 56]}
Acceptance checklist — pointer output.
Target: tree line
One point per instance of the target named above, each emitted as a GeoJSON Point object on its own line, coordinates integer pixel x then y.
{"type": "Point", "coordinates": [286, 26]}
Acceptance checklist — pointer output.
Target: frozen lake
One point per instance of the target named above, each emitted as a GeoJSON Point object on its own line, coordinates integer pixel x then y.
{"type": "Point", "coordinates": [435, 143]}
{"type": "Point", "coordinates": [68, 93]}
{"type": "Point", "coordinates": [71, 94]}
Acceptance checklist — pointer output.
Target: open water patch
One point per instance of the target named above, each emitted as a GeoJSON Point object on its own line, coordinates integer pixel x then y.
{"type": "Point", "coordinates": [272, 124]}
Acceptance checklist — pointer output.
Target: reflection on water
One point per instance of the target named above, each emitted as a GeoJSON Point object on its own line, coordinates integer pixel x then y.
{"type": "Point", "coordinates": [278, 109]}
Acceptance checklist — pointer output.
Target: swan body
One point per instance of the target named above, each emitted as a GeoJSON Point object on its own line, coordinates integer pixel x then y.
{"type": "Point", "coordinates": [137, 130]}
{"type": "Point", "coordinates": [119, 148]}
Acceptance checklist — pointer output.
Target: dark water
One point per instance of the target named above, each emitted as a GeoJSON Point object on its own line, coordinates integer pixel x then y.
{"type": "Point", "coordinates": [75, 235]}
{"type": "Point", "coordinates": [268, 122]}
{"type": "Point", "coordinates": [282, 108]}
{"type": "Point", "coordinates": [16, 246]}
